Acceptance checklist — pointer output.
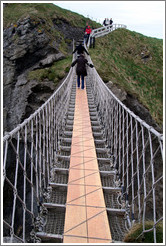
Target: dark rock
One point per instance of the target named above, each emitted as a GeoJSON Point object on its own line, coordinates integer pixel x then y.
{"type": "Point", "coordinates": [134, 105]}
{"type": "Point", "coordinates": [26, 49]}
{"type": "Point", "coordinates": [48, 61]}
{"type": "Point", "coordinates": [5, 4]}
{"type": "Point", "coordinates": [9, 32]}
{"type": "Point", "coordinates": [119, 93]}
{"type": "Point", "coordinates": [69, 32]}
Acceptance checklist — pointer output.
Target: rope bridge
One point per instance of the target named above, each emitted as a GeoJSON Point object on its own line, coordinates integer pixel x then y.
{"type": "Point", "coordinates": [36, 163]}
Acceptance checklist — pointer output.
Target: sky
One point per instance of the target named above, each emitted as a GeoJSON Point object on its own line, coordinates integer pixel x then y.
{"type": "Point", "coordinates": [146, 17]}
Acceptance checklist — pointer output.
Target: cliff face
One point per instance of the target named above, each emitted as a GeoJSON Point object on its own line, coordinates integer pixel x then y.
{"type": "Point", "coordinates": [27, 47]}
{"type": "Point", "coordinates": [134, 65]}
{"type": "Point", "coordinates": [45, 38]}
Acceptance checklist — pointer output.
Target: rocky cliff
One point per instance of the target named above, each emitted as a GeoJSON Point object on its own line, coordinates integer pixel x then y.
{"type": "Point", "coordinates": [27, 47]}
{"type": "Point", "coordinates": [37, 42]}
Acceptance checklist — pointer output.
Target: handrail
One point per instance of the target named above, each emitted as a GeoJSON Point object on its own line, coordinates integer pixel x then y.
{"type": "Point", "coordinates": [137, 151]}
{"type": "Point", "coordinates": [29, 154]}
{"type": "Point", "coordinates": [108, 27]}
{"type": "Point", "coordinates": [101, 31]}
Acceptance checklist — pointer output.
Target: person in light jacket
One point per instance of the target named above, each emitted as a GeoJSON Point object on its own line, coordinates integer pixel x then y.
{"type": "Point", "coordinates": [81, 69]}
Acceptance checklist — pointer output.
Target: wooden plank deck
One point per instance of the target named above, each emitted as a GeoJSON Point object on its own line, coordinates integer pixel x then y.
{"type": "Point", "coordinates": [86, 217]}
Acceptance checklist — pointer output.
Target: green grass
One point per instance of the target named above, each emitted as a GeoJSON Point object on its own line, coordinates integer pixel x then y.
{"type": "Point", "coordinates": [54, 73]}
{"type": "Point", "coordinates": [47, 11]}
{"type": "Point", "coordinates": [131, 236]}
{"type": "Point", "coordinates": [42, 16]}
{"type": "Point", "coordinates": [117, 57]}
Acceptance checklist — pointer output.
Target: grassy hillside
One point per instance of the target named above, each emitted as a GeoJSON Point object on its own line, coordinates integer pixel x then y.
{"type": "Point", "coordinates": [43, 15]}
{"type": "Point", "coordinates": [135, 63]}
{"type": "Point", "coordinates": [130, 60]}
{"type": "Point", "coordinates": [54, 73]}
{"type": "Point", "coordinates": [48, 11]}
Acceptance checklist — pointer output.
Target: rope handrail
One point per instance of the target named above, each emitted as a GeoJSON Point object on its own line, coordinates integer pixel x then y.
{"type": "Point", "coordinates": [29, 154]}
{"type": "Point", "coordinates": [150, 128]}
{"type": "Point", "coordinates": [9, 134]}
{"type": "Point", "coordinates": [137, 150]}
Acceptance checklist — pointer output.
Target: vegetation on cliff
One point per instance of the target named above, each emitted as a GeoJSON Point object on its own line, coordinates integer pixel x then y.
{"type": "Point", "coordinates": [134, 63]}
{"type": "Point", "coordinates": [130, 60]}
{"type": "Point", "coordinates": [133, 236]}
{"type": "Point", "coordinates": [46, 11]}
{"type": "Point", "coordinates": [54, 73]}
{"type": "Point", "coordinates": [49, 19]}
{"type": "Point", "coordinates": [45, 16]}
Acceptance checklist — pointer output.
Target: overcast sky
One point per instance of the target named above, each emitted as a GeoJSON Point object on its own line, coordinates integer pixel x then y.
{"type": "Point", "coordinates": [146, 17]}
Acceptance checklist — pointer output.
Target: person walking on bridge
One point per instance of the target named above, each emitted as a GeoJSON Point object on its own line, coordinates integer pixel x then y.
{"type": "Point", "coordinates": [80, 49]}
{"type": "Point", "coordinates": [81, 69]}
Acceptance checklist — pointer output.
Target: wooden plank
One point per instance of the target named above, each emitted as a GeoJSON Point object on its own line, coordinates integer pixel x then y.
{"type": "Point", "coordinates": [86, 216]}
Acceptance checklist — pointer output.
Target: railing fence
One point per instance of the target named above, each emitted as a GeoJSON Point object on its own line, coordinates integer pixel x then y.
{"type": "Point", "coordinates": [101, 31]}
{"type": "Point", "coordinates": [29, 154]}
{"type": "Point", "coordinates": [137, 151]}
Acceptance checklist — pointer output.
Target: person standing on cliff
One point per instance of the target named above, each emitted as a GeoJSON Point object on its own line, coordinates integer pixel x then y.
{"type": "Point", "coordinates": [87, 32]}
{"type": "Point", "coordinates": [106, 22]}
{"type": "Point", "coordinates": [111, 21]}
{"type": "Point", "coordinates": [86, 27]}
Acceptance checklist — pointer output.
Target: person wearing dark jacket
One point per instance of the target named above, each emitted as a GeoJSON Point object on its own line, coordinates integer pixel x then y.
{"type": "Point", "coordinates": [81, 69]}
{"type": "Point", "coordinates": [80, 50]}
{"type": "Point", "coordinates": [111, 21]}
